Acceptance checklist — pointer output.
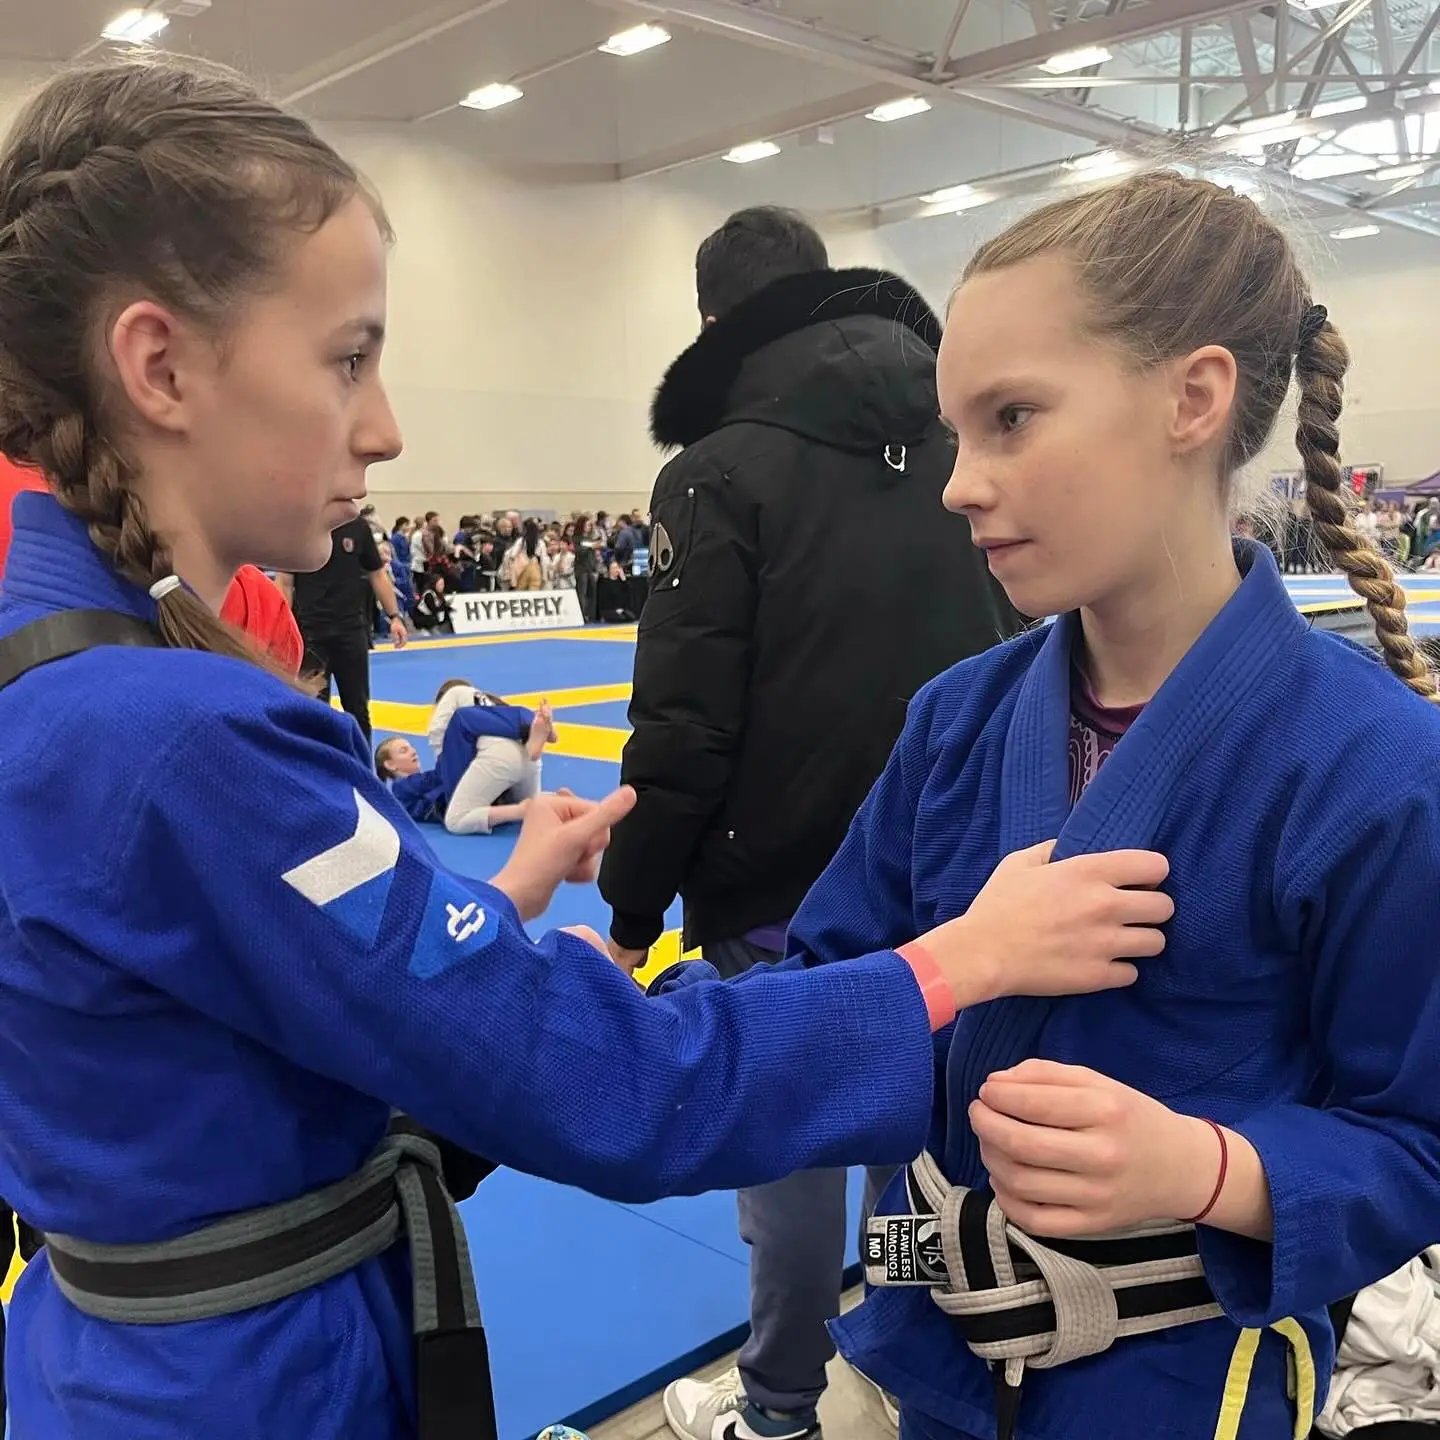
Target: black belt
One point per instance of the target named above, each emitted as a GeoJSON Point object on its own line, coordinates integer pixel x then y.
{"type": "Point", "coordinates": [277, 1251]}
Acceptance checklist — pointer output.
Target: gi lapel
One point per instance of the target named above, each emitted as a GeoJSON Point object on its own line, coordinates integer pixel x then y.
{"type": "Point", "coordinates": [1122, 808]}
{"type": "Point", "coordinates": [1226, 668]}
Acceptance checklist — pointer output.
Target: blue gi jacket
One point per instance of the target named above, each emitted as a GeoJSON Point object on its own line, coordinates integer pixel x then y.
{"type": "Point", "coordinates": [225, 952]}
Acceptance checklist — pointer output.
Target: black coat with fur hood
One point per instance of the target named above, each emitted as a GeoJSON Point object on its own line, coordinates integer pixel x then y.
{"type": "Point", "coordinates": [806, 582]}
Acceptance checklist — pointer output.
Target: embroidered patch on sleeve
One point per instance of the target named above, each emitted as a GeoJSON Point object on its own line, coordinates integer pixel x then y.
{"type": "Point", "coordinates": [351, 881]}
{"type": "Point", "coordinates": [456, 927]}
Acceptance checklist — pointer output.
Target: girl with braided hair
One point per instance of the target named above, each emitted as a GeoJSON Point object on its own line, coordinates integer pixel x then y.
{"type": "Point", "coordinates": [1254, 1126]}
{"type": "Point", "coordinates": [216, 992]}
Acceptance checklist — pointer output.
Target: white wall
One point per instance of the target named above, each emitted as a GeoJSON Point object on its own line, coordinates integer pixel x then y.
{"type": "Point", "coordinates": [1384, 294]}
{"type": "Point", "coordinates": [529, 326]}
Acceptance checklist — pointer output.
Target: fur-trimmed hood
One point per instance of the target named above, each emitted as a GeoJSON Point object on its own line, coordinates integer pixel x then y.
{"type": "Point", "coordinates": [887, 365]}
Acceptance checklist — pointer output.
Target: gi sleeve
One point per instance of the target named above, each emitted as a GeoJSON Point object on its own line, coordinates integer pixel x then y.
{"type": "Point", "coordinates": [263, 877]}
{"type": "Point", "coordinates": [1354, 1180]}
{"type": "Point", "coordinates": [692, 681]}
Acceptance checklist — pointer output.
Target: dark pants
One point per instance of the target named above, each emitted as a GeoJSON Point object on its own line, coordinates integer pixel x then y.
{"type": "Point", "coordinates": [585, 586]}
{"type": "Point", "coordinates": [796, 1231]}
{"type": "Point", "coordinates": [344, 659]}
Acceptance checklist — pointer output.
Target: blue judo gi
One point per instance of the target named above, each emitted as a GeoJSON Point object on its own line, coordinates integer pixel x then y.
{"type": "Point", "coordinates": [226, 952]}
{"type": "Point", "coordinates": [1294, 785]}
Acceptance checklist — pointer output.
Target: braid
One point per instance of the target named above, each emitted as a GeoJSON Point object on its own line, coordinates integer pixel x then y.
{"type": "Point", "coordinates": [92, 481]}
{"type": "Point", "coordinates": [1320, 370]}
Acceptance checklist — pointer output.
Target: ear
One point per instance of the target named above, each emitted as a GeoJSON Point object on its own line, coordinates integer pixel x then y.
{"type": "Point", "coordinates": [1204, 398]}
{"type": "Point", "coordinates": [154, 354]}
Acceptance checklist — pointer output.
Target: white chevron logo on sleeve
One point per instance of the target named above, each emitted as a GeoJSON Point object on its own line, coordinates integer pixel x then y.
{"type": "Point", "coordinates": [372, 851]}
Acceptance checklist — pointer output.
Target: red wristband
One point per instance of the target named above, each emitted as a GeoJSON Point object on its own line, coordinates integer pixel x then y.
{"type": "Point", "coordinates": [939, 997]}
{"type": "Point", "coordinates": [1224, 1166]}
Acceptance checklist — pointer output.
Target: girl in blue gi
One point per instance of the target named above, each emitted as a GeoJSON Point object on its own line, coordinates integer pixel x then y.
{"type": "Point", "coordinates": [214, 989]}
{"type": "Point", "coordinates": [1109, 365]}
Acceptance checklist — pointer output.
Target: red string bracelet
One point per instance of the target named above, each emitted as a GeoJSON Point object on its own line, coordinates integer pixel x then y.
{"type": "Point", "coordinates": [1224, 1166]}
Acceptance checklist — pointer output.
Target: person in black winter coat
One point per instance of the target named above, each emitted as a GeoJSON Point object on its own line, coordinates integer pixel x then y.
{"type": "Point", "coordinates": [806, 582]}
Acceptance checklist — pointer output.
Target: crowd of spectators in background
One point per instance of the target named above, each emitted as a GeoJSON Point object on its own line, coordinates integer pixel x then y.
{"type": "Point", "coordinates": [1407, 532]}
{"type": "Point", "coordinates": [604, 560]}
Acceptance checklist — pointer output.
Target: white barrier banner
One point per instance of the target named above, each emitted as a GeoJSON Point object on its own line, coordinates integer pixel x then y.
{"type": "Point", "coordinates": [516, 610]}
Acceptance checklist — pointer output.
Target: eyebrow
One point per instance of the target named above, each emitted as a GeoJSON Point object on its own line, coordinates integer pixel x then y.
{"type": "Point", "coordinates": [372, 330]}
{"type": "Point", "coordinates": [991, 393]}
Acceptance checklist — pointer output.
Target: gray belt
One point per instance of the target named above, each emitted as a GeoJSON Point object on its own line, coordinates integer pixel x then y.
{"type": "Point", "coordinates": [278, 1251]}
{"type": "Point", "coordinates": [1019, 1301]}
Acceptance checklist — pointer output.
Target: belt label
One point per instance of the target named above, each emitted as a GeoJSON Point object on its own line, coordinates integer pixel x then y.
{"type": "Point", "coordinates": [905, 1250]}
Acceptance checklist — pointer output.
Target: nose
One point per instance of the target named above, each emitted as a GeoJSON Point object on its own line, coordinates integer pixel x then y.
{"type": "Point", "coordinates": [969, 490]}
{"type": "Point", "coordinates": [377, 436]}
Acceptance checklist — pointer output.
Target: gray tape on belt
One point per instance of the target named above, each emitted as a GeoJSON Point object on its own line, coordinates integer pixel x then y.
{"type": "Point", "coordinates": [1083, 1295]}
{"type": "Point", "coordinates": [397, 1161]}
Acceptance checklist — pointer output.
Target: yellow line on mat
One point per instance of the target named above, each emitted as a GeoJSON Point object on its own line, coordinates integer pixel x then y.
{"type": "Point", "coordinates": [580, 695]}
{"type": "Point", "coordinates": [585, 742]}
{"type": "Point", "coordinates": [1412, 597]}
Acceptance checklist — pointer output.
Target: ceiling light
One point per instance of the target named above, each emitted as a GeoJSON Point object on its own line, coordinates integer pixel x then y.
{"type": "Point", "coordinates": [1260, 124]}
{"type": "Point", "coordinates": [956, 198]}
{"type": "Point", "coordinates": [1328, 167]}
{"type": "Point", "coordinates": [1069, 61]}
{"type": "Point", "coordinates": [492, 97]}
{"type": "Point", "coordinates": [748, 154]}
{"type": "Point", "coordinates": [1099, 165]}
{"type": "Point", "coordinates": [1311, 4]}
{"type": "Point", "coordinates": [1253, 146]}
{"type": "Point", "coordinates": [1355, 232]}
{"type": "Point", "coordinates": [1404, 172]}
{"type": "Point", "coordinates": [949, 193]}
{"type": "Point", "coordinates": [636, 40]}
{"type": "Point", "coordinates": [899, 109]}
{"type": "Point", "coordinates": [1346, 106]}
{"type": "Point", "coordinates": [136, 27]}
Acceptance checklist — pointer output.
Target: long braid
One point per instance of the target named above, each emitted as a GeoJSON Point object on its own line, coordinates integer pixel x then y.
{"type": "Point", "coordinates": [92, 481]}
{"type": "Point", "coordinates": [1320, 368]}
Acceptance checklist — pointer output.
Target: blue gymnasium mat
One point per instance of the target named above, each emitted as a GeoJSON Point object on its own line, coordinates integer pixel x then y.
{"type": "Point", "coordinates": [591, 1307]}
{"type": "Point", "coordinates": [612, 714]}
{"type": "Point", "coordinates": [512, 668]}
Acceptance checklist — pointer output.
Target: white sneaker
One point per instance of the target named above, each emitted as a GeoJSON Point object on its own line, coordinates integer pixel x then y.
{"type": "Point", "coordinates": [720, 1410]}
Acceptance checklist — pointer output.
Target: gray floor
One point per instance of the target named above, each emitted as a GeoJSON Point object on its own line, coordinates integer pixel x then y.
{"type": "Point", "coordinates": [851, 1410]}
